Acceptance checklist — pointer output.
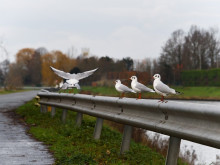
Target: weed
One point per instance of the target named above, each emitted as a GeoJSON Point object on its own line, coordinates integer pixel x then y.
{"type": "Point", "coordinates": [75, 145]}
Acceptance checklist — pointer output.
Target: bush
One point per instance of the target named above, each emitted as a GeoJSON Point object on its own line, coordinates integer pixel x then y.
{"type": "Point", "coordinates": [209, 77]}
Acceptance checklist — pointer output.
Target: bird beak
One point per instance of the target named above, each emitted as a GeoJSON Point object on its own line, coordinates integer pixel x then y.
{"type": "Point", "coordinates": [153, 77]}
{"type": "Point", "coordinates": [129, 79]}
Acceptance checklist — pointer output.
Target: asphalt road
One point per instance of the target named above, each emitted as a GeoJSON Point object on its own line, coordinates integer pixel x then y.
{"type": "Point", "coordinates": [16, 146]}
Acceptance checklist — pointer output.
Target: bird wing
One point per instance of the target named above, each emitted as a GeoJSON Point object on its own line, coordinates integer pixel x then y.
{"type": "Point", "coordinates": [77, 76]}
{"type": "Point", "coordinates": [143, 87]}
{"type": "Point", "coordinates": [64, 86]}
{"type": "Point", "coordinates": [77, 86]}
{"type": "Point", "coordinates": [126, 89]}
{"type": "Point", "coordinates": [61, 73]}
{"type": "Point", "coordinates": [163, 88]}
{"type": "Point", "coordinates": [80, 76]}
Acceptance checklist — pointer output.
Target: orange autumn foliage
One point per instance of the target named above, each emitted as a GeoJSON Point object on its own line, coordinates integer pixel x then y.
{"type": "Point", "coordinates": [59, 61]}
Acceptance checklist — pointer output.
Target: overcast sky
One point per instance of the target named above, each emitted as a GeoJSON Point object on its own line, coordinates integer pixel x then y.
{"type": "Point", "coordinates": [117, 28]}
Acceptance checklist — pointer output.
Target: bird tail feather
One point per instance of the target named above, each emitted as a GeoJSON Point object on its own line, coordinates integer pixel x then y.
{"type": "Point", "coordinates": [133, 91]}
{"type": "Point", "coordinates": [179, 93]}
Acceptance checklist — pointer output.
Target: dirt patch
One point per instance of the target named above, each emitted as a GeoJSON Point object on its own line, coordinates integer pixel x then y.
{"type": "Point", "coordinates": [16, 119]}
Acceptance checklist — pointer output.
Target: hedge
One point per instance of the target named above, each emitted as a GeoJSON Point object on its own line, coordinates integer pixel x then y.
{"type": "Point", "coordinates": [209, 77]}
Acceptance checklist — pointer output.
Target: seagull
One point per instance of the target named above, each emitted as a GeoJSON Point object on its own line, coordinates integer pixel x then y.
{"type": "Point", "coordinates": [122, 88]}
{"type": "Point", "coordinates": [161, 88]}
{"type": "Point", "coordinates": [72, 80]}
{"type": "Point", "coordinates": [59, 85]}
{"type": "Point", "coordinates": [138, 87]}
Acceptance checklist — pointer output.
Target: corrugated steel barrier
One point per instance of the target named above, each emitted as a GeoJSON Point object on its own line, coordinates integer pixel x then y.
{"type": "Point", "coordinates": [199, 123]}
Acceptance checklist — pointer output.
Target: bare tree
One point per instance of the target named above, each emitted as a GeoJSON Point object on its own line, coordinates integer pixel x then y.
{"type": "Point", "coordinates": [171, 57]}
{"type": "Point", "coordinates": [199, 49]}
{"type": "Point", "coordinates": [3, 51]}
{"type": "Point", "coordinates": [4, 69]}
{"type": "Point", "coordinates": [4, 64]}
{"type": "Point", "coordinates": [71, 52]}
{"type": "Point", "coordinates": [41, 50]}
{"type": "Point", "coordinates": [173, 48]}
{"type": "Point", "coordinates": [144, 65]}
{"type": "Point", "coordinates": [35, 69]}
{"type": "Point", "coordinates": [14, 78]}
{"type": "Point", "coordinates": [213, 48]}
{"type": "Point", "coordinates": [128, 63]}
{"type": "Point", "coordinates": [155, 66]}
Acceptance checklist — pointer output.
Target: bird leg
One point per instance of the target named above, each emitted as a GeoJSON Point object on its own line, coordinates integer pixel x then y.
{"type": "Point", "coordinates": [139, 96]}
{"type": "Point", "coordinates": [162, 99]}
{"type": "Point", "coordinates": [122, 95]}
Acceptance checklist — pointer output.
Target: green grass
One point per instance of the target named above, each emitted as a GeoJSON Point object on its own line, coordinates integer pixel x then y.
{"type": "Point", "coordinates": [200, 92]}
{"type": "Point", "coordinates": [2, 91]}
{"type": "Point", "coordinates": [102, 90]}
{"type": "Point", "coordinates": [209, 93]}
{"type": "Point", "coordinates": [75, 145]}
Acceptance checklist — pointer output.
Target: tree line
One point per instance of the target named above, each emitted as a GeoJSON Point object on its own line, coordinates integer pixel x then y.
{"type": "Point", "coordinates": [198, 49]}
{"type": "Point", "coordinates": [32, 67]}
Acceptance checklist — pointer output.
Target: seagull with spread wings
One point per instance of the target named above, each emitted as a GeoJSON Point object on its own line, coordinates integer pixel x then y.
{"type": "Point", "coordinates": [161, 88]}
{"type": "Point", "coordinates": [72, 80]}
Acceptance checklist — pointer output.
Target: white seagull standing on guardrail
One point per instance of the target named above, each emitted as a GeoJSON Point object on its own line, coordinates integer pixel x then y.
{"type": "Point", "coordinates": [138, 87]}
{"type": "Point", "coordinates": [72, 80]}
{"type": "Point", "coordinates": [122, 88]}
{"type": "Point", "coordinates": [161, 88]}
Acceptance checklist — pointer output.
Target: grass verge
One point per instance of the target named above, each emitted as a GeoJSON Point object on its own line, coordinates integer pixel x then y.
{"type": "Point", "coordinates": [192, 93]}
{"type": "Point", "coordinates": [2, 91]}
{"type": "Point", "coordinates": [75, 145]}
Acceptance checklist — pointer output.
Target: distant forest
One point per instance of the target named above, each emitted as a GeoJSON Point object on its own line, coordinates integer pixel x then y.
{"type": "Point", "coordinates": [198, 49]}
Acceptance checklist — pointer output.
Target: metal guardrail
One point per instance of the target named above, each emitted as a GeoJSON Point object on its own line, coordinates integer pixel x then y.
{"type": "Point", "coordinates": [199, 123]}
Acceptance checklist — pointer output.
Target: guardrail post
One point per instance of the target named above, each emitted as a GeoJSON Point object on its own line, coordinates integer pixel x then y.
{"type": "Point", "coordinates": [43, 108]}
{"type": "Point", "coordinates": [53, 111]}
{"type": "Point", "coordinates": [125, 145]}
{"type": "Point", "coordinates": [98, 128]}
{"type": "Point", "coordinates": [64, 114]}
{"type": "Point", "coordinates": [173, 151]}
{"type": "Point", "coordinates": [79, 117]}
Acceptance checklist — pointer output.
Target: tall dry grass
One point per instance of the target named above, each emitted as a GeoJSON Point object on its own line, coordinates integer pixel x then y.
{"type": "Point", "coordinates": [156, 143]}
